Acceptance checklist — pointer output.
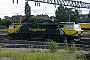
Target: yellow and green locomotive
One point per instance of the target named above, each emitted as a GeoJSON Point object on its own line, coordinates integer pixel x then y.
{"type": "Point", "coordinates": [57, 31]}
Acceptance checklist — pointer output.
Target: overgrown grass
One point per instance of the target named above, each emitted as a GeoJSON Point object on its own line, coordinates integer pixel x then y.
{"type": "Point", "coordinates": [23, 55]}
{"type": "Point", "coordinates": [71, 48]}
{"type": "Point", "coordinates": [28, 54]}
{"type": "Point", "coordinates": [69, 53]}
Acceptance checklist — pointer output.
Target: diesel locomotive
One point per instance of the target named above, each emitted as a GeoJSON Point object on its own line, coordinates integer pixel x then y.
{"type": "Point", "coordinates": [55, 31]}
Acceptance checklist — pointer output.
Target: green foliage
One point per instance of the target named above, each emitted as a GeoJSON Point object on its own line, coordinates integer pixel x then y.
{"type": "Point", "coordinates": [89, 16]}
{"type": "Point", "coordinates": [52, 45]}
{"type": "Point", "coordinates": [81, 57]}
{"type": "Point", "coordinates": [1, 48]}
{"type": "Point", "coordinates": [0, 19]}
{"type": "Point", "coordinates": [23, 54]}
{"type": "Point", "coordinates": [34, 19]}
{"type": "Point", "coordinates": [71, 48]}
{"type": "Point", "coordinates": [64, 14]}
{"type": "Point", "coordinates": [66, 45]}
{"type": "Point", "coordinates": [32, 50]}
{"type": "Point", "coordinates": [14, 55]}
{"type": "Point", "coordinates": [2, 27]}
{"type": "Point", "coordinates": [6, 21]}
{"type": "Point", "coordinates": [16, 21]}
{"type": "Point", "coordinates": [27, 10]}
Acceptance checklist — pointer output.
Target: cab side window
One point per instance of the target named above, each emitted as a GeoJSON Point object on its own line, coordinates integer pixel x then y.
{"type": "Point", "coordinates": [11, 26]}
{"type": "Point", "coordinates": [69, 26]}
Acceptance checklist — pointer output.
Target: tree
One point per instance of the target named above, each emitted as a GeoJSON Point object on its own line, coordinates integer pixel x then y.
{"type": "Point", "coordinates": [64, 14]}
{"type": "Point", "coordinates": [34, 19]}
{"type": "Point", "coordinates": [6, 21]}
{"type": "Point", "coordinates": [0, 19]}
{"type": "Point", "coordinates": [27, 10]}
{"type": "Point", "coordinates": [30, 20]}
{"type": "Point", "coordinates": [76, 16]}
{"type": "Point", "coordinates": [89, 16]}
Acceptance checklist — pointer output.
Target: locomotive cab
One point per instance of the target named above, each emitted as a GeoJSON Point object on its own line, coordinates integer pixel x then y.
{"type": "Point", "coordinates": [71, 30]}
{"type": "Point", "coordinates": [13, 28]}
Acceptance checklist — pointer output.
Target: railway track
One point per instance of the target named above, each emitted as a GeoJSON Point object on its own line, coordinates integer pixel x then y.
{"type": "Point", "coordinates": [35, 44]}
{"type": "Point", "coordinates": [8, 42]}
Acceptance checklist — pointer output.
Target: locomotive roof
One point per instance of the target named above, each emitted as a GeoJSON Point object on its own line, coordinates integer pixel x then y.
{"type": "Point", "coordinates": [45, 23]}
{"type": "Point", "coordinates": [37, 23]}
{"type": "Point", "coordinates": [66, 22]}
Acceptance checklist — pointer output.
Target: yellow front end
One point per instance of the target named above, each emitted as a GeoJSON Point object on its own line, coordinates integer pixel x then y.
{"type": "Point", "coordinates": [13, 28]}
{"type": "Point", "coordinates": [72, 29]}
{"type": "Point", "coordinates": [69, 29]}
{"type": "Point", "coordinates": [77, 27]}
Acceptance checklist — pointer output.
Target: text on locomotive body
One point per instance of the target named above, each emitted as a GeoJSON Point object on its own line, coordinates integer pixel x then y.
{"type": "Point", "coordinates": [37, 29]}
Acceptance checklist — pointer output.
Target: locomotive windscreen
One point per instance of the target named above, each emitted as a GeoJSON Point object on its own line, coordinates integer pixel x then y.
{"type": "Point", "coordinates": [11, 26]}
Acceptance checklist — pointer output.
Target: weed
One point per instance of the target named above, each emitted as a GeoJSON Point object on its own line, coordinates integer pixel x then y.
{"type": "Point", "coordinates": [71, 48]}
{"type": "Point", "coordinates": [66, 45]}
{"type": "Point", "coordinates": [1, 48]}
{"type": "Point", "coordinates": [52, 45]}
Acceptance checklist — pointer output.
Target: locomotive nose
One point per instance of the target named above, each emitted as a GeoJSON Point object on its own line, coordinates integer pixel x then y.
{"type": "Point", "coordinates": [14, 28]}
{"type": "Point", "coordinates": [10, 30]}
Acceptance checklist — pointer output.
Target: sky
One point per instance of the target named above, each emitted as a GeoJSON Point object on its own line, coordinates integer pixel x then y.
{"type": "Point", "coordinates": [7, 8]}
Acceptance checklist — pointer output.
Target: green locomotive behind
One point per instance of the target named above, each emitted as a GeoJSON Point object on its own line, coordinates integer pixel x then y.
{"type": "Point", "coordinates": [56, 31]}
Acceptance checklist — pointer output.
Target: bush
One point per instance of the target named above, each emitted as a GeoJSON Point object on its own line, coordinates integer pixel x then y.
{"type": "Point", "coordinates": [6, 22]}
{"type": "Point", "coordinates": [52, 45]}
{"type": "Point", "coordinates": [67, 48]}
{"type": "Point", "coordinates": [2, 27]}
{"type": "Point", "coordinates": [71, 48]}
